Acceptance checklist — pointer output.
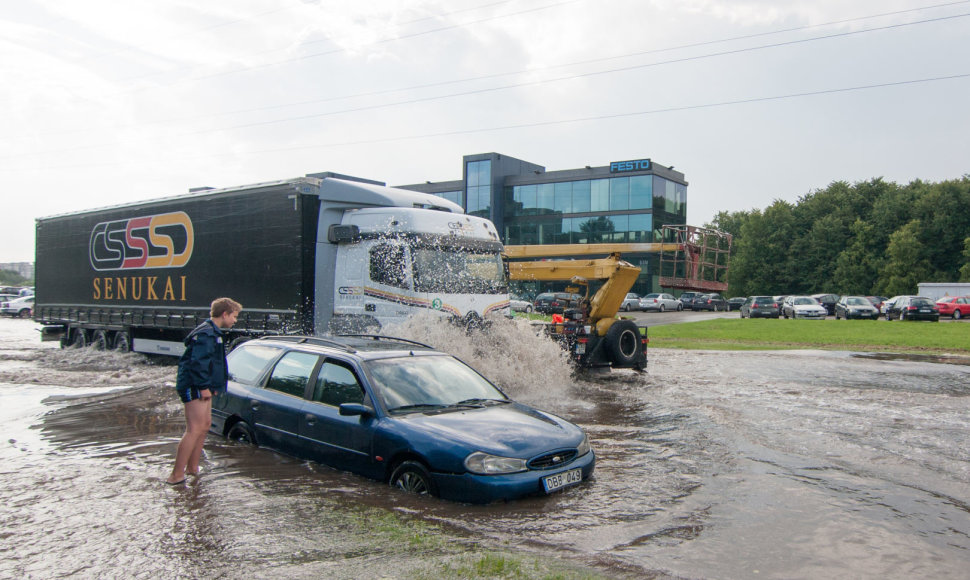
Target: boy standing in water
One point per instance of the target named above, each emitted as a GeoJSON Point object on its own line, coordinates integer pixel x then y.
{"type": "Point", "coordinates": [201, 373]}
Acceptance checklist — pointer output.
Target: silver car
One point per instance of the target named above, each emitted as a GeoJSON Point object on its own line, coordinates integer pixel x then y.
{"type": "Point", "coordinates": [660, 302]}
{"type": "Point", "coordinates": [631, 302]}
{"type": "Point", "coordinates": [803, 307]}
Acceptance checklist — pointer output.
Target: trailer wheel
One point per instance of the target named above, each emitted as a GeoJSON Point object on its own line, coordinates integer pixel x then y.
{"type": "Point", "coordinates": [79, 339]}
{"type": "Point", "coordinates": [623, 343]}
{"type": "Point", "coordinates": [122, 342]}
{"type": "Point", "coordinates": [100, 340]}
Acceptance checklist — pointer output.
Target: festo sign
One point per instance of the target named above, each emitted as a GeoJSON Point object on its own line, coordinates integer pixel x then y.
{"type": "Point", "coordinates": [624, 166]}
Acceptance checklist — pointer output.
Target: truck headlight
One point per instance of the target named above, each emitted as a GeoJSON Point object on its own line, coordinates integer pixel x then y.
{"type": "Point", "coordinates": [485, 464]}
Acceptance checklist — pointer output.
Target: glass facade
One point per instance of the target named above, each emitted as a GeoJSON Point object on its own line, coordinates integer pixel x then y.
{"type": "Point", "coordinates": [606, 206]}
{"type": "Point", "coordinates": [617, 209]}
{"type": "Point", "coordinates": [478, 188]}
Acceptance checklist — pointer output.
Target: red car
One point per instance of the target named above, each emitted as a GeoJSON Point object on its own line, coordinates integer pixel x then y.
{"type": "Point", "coordinates": [955, 306]}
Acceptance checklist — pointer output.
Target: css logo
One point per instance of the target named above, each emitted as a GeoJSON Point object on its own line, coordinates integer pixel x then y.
{"type": "Point", "coordinates": [157, 241]}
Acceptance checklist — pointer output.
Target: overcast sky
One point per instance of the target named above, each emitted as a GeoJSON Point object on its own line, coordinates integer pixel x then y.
{"type": "Point", "coordinates": [105, 102]}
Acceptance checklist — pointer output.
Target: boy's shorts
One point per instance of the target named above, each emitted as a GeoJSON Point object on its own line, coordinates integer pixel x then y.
{"type": "Point", "coordinates": [189, 393]}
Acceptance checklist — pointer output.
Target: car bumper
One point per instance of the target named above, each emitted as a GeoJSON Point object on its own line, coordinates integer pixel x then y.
{"type": "Point", "coordinates": [471, 488]}
{"type": "Point", "coordinates": [809, 316]}
{"type": "Point", "coordinates": [862, 315]}
{"type": "Point", "coordinates": [763, 314]}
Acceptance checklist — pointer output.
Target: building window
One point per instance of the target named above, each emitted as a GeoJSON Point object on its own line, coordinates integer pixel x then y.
{"type": "Point", "coordinates": [581, 196]}
{"type": "Point", "coordinates": [660, 193]}
{"type": "Point", "coordinates": [619, 193]}
{"type": "Point", "coordinates": [641, 192]}
{"type": "Point", "coordinates": [478, 176]}
{"type": "Point", "coordinates": [546, 197]}
{"type": "Point", "coordinates": [563, 197]}
{"type": "Point", "coordinates": [599, 195]}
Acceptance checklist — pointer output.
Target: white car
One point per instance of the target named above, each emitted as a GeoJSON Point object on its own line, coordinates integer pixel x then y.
{"type": "Point", "coordinates": [660, 302]}
{"type": "Point", "coordinates": [803, 307]}
{"type": "Point", "coordinates": [20, 307]}
{"type": "Point", "coordinates": [520, 305]}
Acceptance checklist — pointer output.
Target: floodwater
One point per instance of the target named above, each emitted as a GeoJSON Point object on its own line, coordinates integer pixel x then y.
{"type": "Point", "coordinates": [711, 465]}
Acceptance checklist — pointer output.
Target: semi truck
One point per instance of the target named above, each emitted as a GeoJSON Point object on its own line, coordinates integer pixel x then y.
{"type": "Point", "coordinates": [323, 253]}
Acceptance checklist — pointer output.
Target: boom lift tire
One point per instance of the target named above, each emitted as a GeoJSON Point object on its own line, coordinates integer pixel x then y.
{"type": "Point", "coordinates": [623, 343]}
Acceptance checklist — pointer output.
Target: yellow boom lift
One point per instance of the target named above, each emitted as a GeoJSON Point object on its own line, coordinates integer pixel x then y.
{"type": "Point", "coordinates": [696, 258]}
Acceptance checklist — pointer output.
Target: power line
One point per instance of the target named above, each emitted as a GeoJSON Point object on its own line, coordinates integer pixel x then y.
{"type": "Point", "coordinates": [554, 122]}
{"type": "Point", "coordinates": [525, 84]}
{"type": "Point", "coordinates": [538, 69]}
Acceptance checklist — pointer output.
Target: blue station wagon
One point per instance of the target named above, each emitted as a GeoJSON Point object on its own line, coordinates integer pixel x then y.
{"type": "Point", "coordinates": [399, 412]}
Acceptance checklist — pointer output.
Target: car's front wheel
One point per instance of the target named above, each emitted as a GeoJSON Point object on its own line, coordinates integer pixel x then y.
{"type": "Point", "coordinates": [957, 315]}
{"type": "Point", "coordinates": [413, 477]}
{"type": "Point", "coordinates": [528, 309]}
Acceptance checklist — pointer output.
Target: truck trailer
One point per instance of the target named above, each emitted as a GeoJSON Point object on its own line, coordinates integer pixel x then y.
{"type": "Point", "coordinates": [312, 255]}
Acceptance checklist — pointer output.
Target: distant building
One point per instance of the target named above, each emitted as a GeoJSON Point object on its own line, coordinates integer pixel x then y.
{"type": "Point", "coordinates": [625, 201]}
{"type": "Point", "coordinates": [937, 290]}
{"type": "Point", "coordinates": [25, 269]}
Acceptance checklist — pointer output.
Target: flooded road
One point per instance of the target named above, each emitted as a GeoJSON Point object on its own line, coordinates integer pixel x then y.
{"type": "Point", "coordinates": [711, 465]}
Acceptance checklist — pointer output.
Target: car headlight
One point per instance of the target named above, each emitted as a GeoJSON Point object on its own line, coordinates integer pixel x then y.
{"type": "Point", "coordinates": [583, 447]}
{"type": "Point", "coordinates": [486, 464]}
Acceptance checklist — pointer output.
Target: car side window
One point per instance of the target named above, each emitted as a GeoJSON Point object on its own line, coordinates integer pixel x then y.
{"type": "Point", "coordinates": [337, 384]}
{"type": "Point", "coordinates": [292, 373]}
{"type": "Point", "coordinates": [247, 363]}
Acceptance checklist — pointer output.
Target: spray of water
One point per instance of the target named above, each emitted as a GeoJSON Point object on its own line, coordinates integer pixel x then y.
{"type": "Point", "coordinates": [512, 353]}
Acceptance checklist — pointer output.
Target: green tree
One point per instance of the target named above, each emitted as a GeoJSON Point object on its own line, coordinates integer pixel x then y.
{"type": "Point", "coordinates": [905, 265]}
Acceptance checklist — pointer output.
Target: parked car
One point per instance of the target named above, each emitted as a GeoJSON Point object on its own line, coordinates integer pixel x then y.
{"type": "Point", "coordinates": [687, 299]}
{"type": "Point", "coordinates": [828, 301]}
{"type": "Point", "coordinates": [736, 302]}
{"type": "Point", "coordinates": [886, 304]}
{"type": "Point", "coordinates": [520, 304]}
{"type": "Point", "coordinates": [20, 307]}
{"type": "Point", "coordinates": [803, 307]}
{"type": "Point", "coordinates": [760, 307]}
{"type": "Point", "coordinates": [877, 302]}
{"type": "Point", "coordinates": [713, 302]}
{"type": "Point", "coordinates": [855, 307]}
{"type": "Point", "coordinates": [660, 302]}
{"type": "Point", "coordinates": [630, 302]}
{"type": "Point", "coordinates": [556, 302]}
{"type": "Point", "coordinates": [955, 307]}
{"type": "Point", "coordinates": [913, 308]}
{"type": "Point", "coordinates": [399, 412]}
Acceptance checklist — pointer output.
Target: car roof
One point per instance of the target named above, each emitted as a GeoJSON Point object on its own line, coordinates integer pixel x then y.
{"type": "Point", "coordinates": [360, 346]}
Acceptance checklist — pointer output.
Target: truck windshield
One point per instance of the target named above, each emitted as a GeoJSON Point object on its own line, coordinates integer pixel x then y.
{"type": "Point", "coordinates": [458, 270]}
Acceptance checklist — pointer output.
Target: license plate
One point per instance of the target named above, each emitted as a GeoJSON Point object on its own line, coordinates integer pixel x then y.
{"type": "Point", "coordinates": [553, 482]}
{"type": "Point", "coordinates": [580, 348]}
{"type": "Point", "coordinates": [926, 310]}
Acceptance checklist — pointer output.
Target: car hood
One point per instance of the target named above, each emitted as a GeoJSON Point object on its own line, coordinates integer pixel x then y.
{"type": "Point", "coordinates": [512, 430]}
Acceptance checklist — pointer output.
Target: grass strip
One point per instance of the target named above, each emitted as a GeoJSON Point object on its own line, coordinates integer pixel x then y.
{"type": "Point", "coordinates": [830, 334]}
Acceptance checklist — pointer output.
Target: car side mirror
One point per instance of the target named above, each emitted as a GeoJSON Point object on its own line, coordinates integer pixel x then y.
{"type": "Point", "coordinates": [351, 409]}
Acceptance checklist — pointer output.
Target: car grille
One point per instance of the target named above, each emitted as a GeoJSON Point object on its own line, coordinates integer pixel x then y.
{"type": "Point", "coordinates": [551, 460]}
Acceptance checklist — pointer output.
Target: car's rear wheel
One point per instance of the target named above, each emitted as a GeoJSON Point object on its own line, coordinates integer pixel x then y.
{"type": "Point", "coordinates": [663, 308]}
{"type": "Point", "coordinates": [79, 338]}
{"type": "Point", "coordinates": [413, 477]}
{"type": "Point", "coordinates": [528, 309]}
{"type": "Point", "coordinates": [241, 432]}
{"type": "Point", "coordinates": [623, 343]}
{"type": "Point", "coordinates": [25, 313]}
{"type": "Point", "coordinates": [957, 315]}
{"type": "Point", "coordinates": [99, 340]}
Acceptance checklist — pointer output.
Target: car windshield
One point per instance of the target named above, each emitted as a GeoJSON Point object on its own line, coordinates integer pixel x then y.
{"type": "Point", "coordinates": [421, 383]}
{"type": "Point", "coordinates": [857, 302]}
{"type": "Point", "coordinates": [805, 301]}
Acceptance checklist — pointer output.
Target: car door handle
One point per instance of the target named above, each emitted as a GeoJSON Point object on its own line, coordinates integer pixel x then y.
{"type": "Point", "coordinates": [254, 405]}
{"type": "Point", "coordinates": [311, 420]}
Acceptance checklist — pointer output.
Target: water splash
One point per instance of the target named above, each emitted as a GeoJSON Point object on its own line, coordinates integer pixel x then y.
{"type": "Point", "coordinates": [512, 353]}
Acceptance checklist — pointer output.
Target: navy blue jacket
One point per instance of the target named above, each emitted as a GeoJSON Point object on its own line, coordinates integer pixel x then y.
{"type": "Point", "coordinates": [203, 364]}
